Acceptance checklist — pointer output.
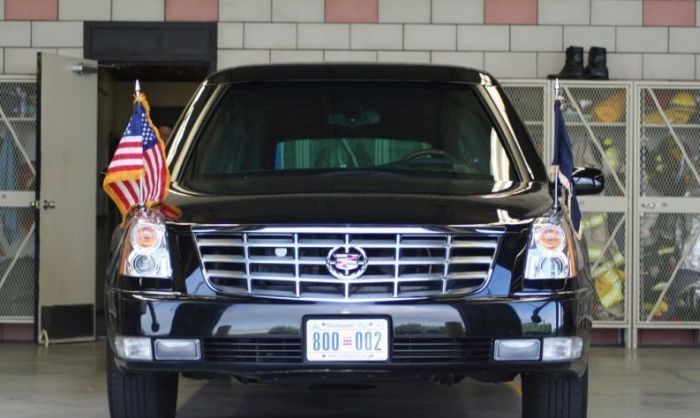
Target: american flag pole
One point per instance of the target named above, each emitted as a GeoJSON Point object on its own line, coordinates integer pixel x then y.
{"type": "Point", "coordinates": [557, 96]}
{"type": "Point", "coordinates": [142, 205]}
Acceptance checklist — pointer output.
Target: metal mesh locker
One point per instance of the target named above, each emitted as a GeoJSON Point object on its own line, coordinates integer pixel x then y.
{"type": "Point", "coordinates": [17, 185]}
{"type": "Point", "coordinates": [668, 221]}
{"type": "Point", "coordinates": [531, 100]}
{"type": "Point", "coordinates": [599, 121]}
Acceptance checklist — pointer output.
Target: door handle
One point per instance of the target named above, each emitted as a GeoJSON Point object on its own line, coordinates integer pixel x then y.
{"type": "Point", "coordinates": [49, 204]}
{"type": "Point", "coordinates": [649, 205]}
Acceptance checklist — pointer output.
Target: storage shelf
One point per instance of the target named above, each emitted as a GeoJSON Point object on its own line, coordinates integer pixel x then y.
{"type": "Point", "coordinates": [674, 126]}
{"type": "Point", "coordinates": [598, 124]}
{"type": "Point", "coordinates": [15, 119]}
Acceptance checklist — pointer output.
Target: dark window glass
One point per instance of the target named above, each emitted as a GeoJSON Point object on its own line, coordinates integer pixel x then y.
{"type": "Point", "coordinates": [321, 127]}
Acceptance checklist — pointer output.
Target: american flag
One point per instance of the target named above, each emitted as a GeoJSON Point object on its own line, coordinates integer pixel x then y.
{"type": "Point", "coordinates": [140, 153]}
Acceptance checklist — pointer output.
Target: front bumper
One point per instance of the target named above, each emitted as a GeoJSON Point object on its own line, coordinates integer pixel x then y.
{"type": "Point", "coordinates": [459, 334]}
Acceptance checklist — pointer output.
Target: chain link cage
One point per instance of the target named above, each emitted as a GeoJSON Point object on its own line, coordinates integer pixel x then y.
{"type": "Point", "coordinates": [669, 217]}
{"type": "Point", "coordinates": [606, 236]}
{"type": "Point", "coordinates": [598, 121]}
{"type": "Point", "coordinates": [17, 220]}
{"type": "Point", "coordinates": [596, 118]}
{"type": "Point", "coordinates": [529, 101]}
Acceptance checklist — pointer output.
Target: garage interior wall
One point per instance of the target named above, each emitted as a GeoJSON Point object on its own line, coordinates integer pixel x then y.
{"type": "Point", "coordinates": [645, 39]}
{"type": "Point", "coordinates": [513, 39]}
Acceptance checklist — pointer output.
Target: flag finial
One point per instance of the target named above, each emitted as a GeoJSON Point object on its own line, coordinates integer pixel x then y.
{"type": "Point", "coordinates": [137, 88]}
{"type": "Point", "coordinates": [557, 90]}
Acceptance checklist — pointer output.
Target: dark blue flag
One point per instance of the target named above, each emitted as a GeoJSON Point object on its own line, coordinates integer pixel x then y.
{"type": "Point", "coordinates": [563, 165]}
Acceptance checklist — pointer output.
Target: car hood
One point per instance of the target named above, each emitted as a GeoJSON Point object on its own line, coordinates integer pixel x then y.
{"type": "Point", "coordinates": [362, 199]}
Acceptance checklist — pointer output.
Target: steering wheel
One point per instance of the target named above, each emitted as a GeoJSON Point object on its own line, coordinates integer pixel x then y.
{"type": "Point", "coordinates": [425, 152]}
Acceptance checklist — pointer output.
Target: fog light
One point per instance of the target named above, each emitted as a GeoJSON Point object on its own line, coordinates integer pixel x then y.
{"type": "Point", "coordinates": [177, 349]}
{"type": "Point", "coordinates": [562, 348]}
{"type": "Point", "coordinates": [133, 348]}
{"type": "Point", "coordinates": [513, 350]}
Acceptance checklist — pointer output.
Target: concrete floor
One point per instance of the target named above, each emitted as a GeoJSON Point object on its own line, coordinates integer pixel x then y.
{"type": "Point", "coordinates": [68, 381]}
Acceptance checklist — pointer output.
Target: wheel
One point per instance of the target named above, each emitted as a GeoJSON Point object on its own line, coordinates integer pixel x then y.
{"type": "Point", "coordinates": [143, 395]}
{"type": "Point", "coordinates": [555, 396]}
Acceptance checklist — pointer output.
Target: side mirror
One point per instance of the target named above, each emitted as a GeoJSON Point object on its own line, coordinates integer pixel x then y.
{"type": "Point", "coordinates": [588, 181]}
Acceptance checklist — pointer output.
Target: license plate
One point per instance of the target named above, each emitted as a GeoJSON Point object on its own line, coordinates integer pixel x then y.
{"type": "Point", "coordinates": [357, 339]}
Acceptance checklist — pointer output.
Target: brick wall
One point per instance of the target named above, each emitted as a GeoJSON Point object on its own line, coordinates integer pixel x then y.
{"type": "Point", "coordinates": [646, 39]}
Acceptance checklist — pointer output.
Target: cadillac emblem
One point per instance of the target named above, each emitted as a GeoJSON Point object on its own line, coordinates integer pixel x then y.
{"type": "Point", "coordinates": [346, 262]}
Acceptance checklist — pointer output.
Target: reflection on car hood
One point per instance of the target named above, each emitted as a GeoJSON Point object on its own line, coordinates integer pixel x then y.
{"type": "Point", "coordinates": [362, 199]}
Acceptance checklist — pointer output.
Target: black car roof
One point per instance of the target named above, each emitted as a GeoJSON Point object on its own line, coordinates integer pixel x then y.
{"type": "Point", "coordinates": [387, 72]}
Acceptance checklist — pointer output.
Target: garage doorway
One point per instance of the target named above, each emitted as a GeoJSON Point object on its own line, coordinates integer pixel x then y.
{"type": "Point", "coordinates": [170, 60]}
{"type": "Point", "coordinates": [168, 92]}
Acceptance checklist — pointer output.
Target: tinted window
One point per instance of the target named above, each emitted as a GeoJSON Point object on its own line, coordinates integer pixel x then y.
{"type": "Point", "coordinates": [320, 127]}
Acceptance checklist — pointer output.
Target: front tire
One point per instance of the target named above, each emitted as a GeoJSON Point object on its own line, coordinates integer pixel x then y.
{"type": "Point", "coordinates": [555, 396]}
{"type": "Point", "coordinates": [143, 395]}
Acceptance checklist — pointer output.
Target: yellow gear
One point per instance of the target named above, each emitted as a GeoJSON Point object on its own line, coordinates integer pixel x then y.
{"type": "Point", "coordinates": [610, 110]}
{"type": "Point", "coordinates": [594, 252]}
{"type": "Point", "coordinates": [618, 258]}
{"type": "Point", "coordinates": [593, 221]}
{"type": "Point", "coordinates": [683, 99]}
{"type": "Point", "coordinates": [674, 116]}
{"type": "Point", "coordinates": [660, 311]}
{"type": "Point", "coordinates": [612, 156]}
{"type": "Point", "coordinates": [603, 268]}
{"type": "Point", "coordinates": [609, 287]}
{"type": "Point", "coordinates": [680, 109]}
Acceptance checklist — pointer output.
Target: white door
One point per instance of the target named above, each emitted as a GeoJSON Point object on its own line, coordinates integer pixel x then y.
{"type": "Point", "coordinates": [68, 182]}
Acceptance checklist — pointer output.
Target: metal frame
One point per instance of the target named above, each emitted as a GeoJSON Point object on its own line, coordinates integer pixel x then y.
{"type": "Point", "coordinates": [18, 199]}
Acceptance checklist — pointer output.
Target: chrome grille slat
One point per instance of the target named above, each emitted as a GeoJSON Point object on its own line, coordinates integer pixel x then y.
{"type": "Point", "coordinates": [473, 244]}
{"type": "Point", "coordinates": [291, 262]}
{"type": "Point", "coordinates": [227, 273]}
{"type": "Point", "coordinates": [271, 260]}
{"type": "Point", "coordinates": [218, 242]}
{"type": "Point", "coordinates": [470, 260]}
{"type": "Point", "coordinates": [320, 243]}
{"type": "Point", "coordinates": [222, 259]}
{"type": "Point", "coordinates": [466, 275]}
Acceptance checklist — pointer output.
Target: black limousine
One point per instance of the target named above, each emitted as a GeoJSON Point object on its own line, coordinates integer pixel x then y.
{"type": "Point", "coordinates": [352, 224]}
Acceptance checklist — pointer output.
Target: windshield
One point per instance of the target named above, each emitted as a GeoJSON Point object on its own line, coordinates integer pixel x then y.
{"type": "Point", "coordinates": [337, 128]}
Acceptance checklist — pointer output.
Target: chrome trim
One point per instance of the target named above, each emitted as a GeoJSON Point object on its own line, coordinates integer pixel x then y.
{"type": "Point", "coordinates": [144, 293]}
{"type": "Point", "coordinates": [333, 229]}
{"type": "Point", "coordinates": [237, 261]}
{"type": "Point", "coordinates": [548, 293]}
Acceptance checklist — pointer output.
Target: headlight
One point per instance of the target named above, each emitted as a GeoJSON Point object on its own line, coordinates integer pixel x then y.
{"type": "Point", "coordinates": [550, 254]}
{"type": "Point", "coordinates": [145, 252]}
